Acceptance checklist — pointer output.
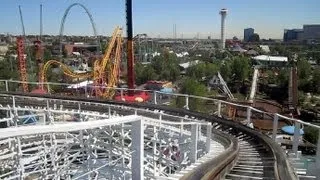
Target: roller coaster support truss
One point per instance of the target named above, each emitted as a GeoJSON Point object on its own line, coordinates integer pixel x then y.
{"type": "Point", "coordinates": [22, 63]}
{"type": "Point", "coordinates": [105, 71]}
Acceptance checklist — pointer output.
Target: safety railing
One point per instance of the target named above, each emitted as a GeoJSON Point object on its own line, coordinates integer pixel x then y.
{"type": "Point", "coordinates": [171, 114]}
{"type": "Point", "coordinates": [157, 147]}
{"type": "Point", "coordinates": [245, 114]}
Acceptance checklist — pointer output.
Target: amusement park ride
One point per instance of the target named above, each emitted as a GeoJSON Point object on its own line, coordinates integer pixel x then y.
{"type": "Point", "coordinates": [105, 75]}
{"type": "Point", "coordinates": [21, 56]}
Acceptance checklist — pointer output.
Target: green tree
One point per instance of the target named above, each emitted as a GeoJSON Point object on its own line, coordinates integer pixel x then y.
{"type": "Point", "coordinates": [201, 70]}
{"type": "Point", "coordinates": [220, 55]}
{"type": "Point", "coordinates": [64, 53]}
{"type": "Point", "coordinates": [191, 86]}
{"type": "Point", "coordinates": [211, 69]}
{"type": "Point", "coordinates": [283, 78]}
{"type": "Point", "coordinates": [225, 71]}
{"type": "Point", "coordinates": [240, 68]}
{"type": "Point", "coordinates": [138, 68]}
{"type": "Point", "coordinates": [304, 69]}
{"type": "Point", "coordinates": [316, 80]}
{"type": "Point", "coordinates": [271, 77]}
{"type": "Point", "coordinates": [301, 98]}
{"type": "Point", "coordinates": [311, 134]}
{"type": "Point", "coordinates": [197, 71]}
{"type": "Point", "coordinates": [47, 55]}
{"type": "Point", "coordinates": [304, 74]}
{"type": "Point", "coordinates": [166, 66]}
{"type": "Point", "coordinates": [144, 73]}
{"type": "Point", "coordinates": [9, 68]}
{"type": "Point", "coordinates": [279, 50]}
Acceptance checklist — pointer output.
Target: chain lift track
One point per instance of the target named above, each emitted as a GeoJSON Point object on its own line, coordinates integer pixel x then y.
{"type": "Point", "coordinates": [65, 15]}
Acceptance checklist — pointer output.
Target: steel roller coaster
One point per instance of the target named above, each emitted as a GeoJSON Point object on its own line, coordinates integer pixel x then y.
{"type": "Point", "coordinates": [105, 71]}
{"type": "Point", "coordinates": [91, 21]}
{"type": "Point", "coordinates": [250, 154]}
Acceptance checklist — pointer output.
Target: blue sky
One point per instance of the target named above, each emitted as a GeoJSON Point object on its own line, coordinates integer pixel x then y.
{"type": "Point", "coordinates": [156, 17]}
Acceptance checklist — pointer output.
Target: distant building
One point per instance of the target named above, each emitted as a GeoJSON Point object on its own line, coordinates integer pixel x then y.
{"type": "Point", "coordinates": [237, 48]}
{"type": "Point", "coordinates": [3, 49]}
{"type": "Point", "coordinates": [248, 33]}
{"type": "Point", "coordinates": [231, 42]}
{"type": "Point", "coordinates": [81, 48]}
{"type": "Point", "coordinates": [265, 60]}
{"type": "Point", "coordinates": [293, 35]}
{"type": "Point", "coordinates": [265, 48]}
{"type": "Point", "coordinates": [189, 64]}
{"type": "Point", "coordinates": [311, 32]}
{"type": "Point", "coordinates": [182, 54]}
{"type": "Point", "coordinates": [252, 52]}
{"type": "Point", "coordinates": [185, 66]}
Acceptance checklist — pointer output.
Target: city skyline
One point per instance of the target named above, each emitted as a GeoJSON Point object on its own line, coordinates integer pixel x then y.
{"type": "Point", "coordinates": [192, 18]}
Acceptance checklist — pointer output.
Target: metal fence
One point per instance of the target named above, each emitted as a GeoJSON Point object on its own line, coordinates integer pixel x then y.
{"type": "Point", "coordinates": [212, 106]}
{"type": "Point", "coordinates": [97, 144]}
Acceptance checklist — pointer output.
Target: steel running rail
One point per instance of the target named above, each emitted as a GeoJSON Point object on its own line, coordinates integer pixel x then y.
{"type": "Point", "coordinates": [281, 166]}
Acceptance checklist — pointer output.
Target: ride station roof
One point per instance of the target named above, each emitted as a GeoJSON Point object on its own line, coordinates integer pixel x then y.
{"type": "Point", "coordinates": [271, 58]}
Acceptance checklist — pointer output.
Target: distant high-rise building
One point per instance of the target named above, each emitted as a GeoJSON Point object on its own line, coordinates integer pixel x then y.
{"type": "Point", "coordinates": [311, 32]}
{"type": "Point", "coordinates": [223, 13]}
{"type": "Point", "coordinates": [293, 35]}
{"type": "Point", "coordinates": [248, 33]}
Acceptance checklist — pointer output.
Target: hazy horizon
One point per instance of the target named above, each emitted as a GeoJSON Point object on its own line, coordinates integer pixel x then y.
{"type": "Point", "coordinates": [269, 19]}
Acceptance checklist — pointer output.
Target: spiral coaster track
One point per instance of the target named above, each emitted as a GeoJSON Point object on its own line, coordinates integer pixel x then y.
{"type": "Point", "coordinates": [106, 70]}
